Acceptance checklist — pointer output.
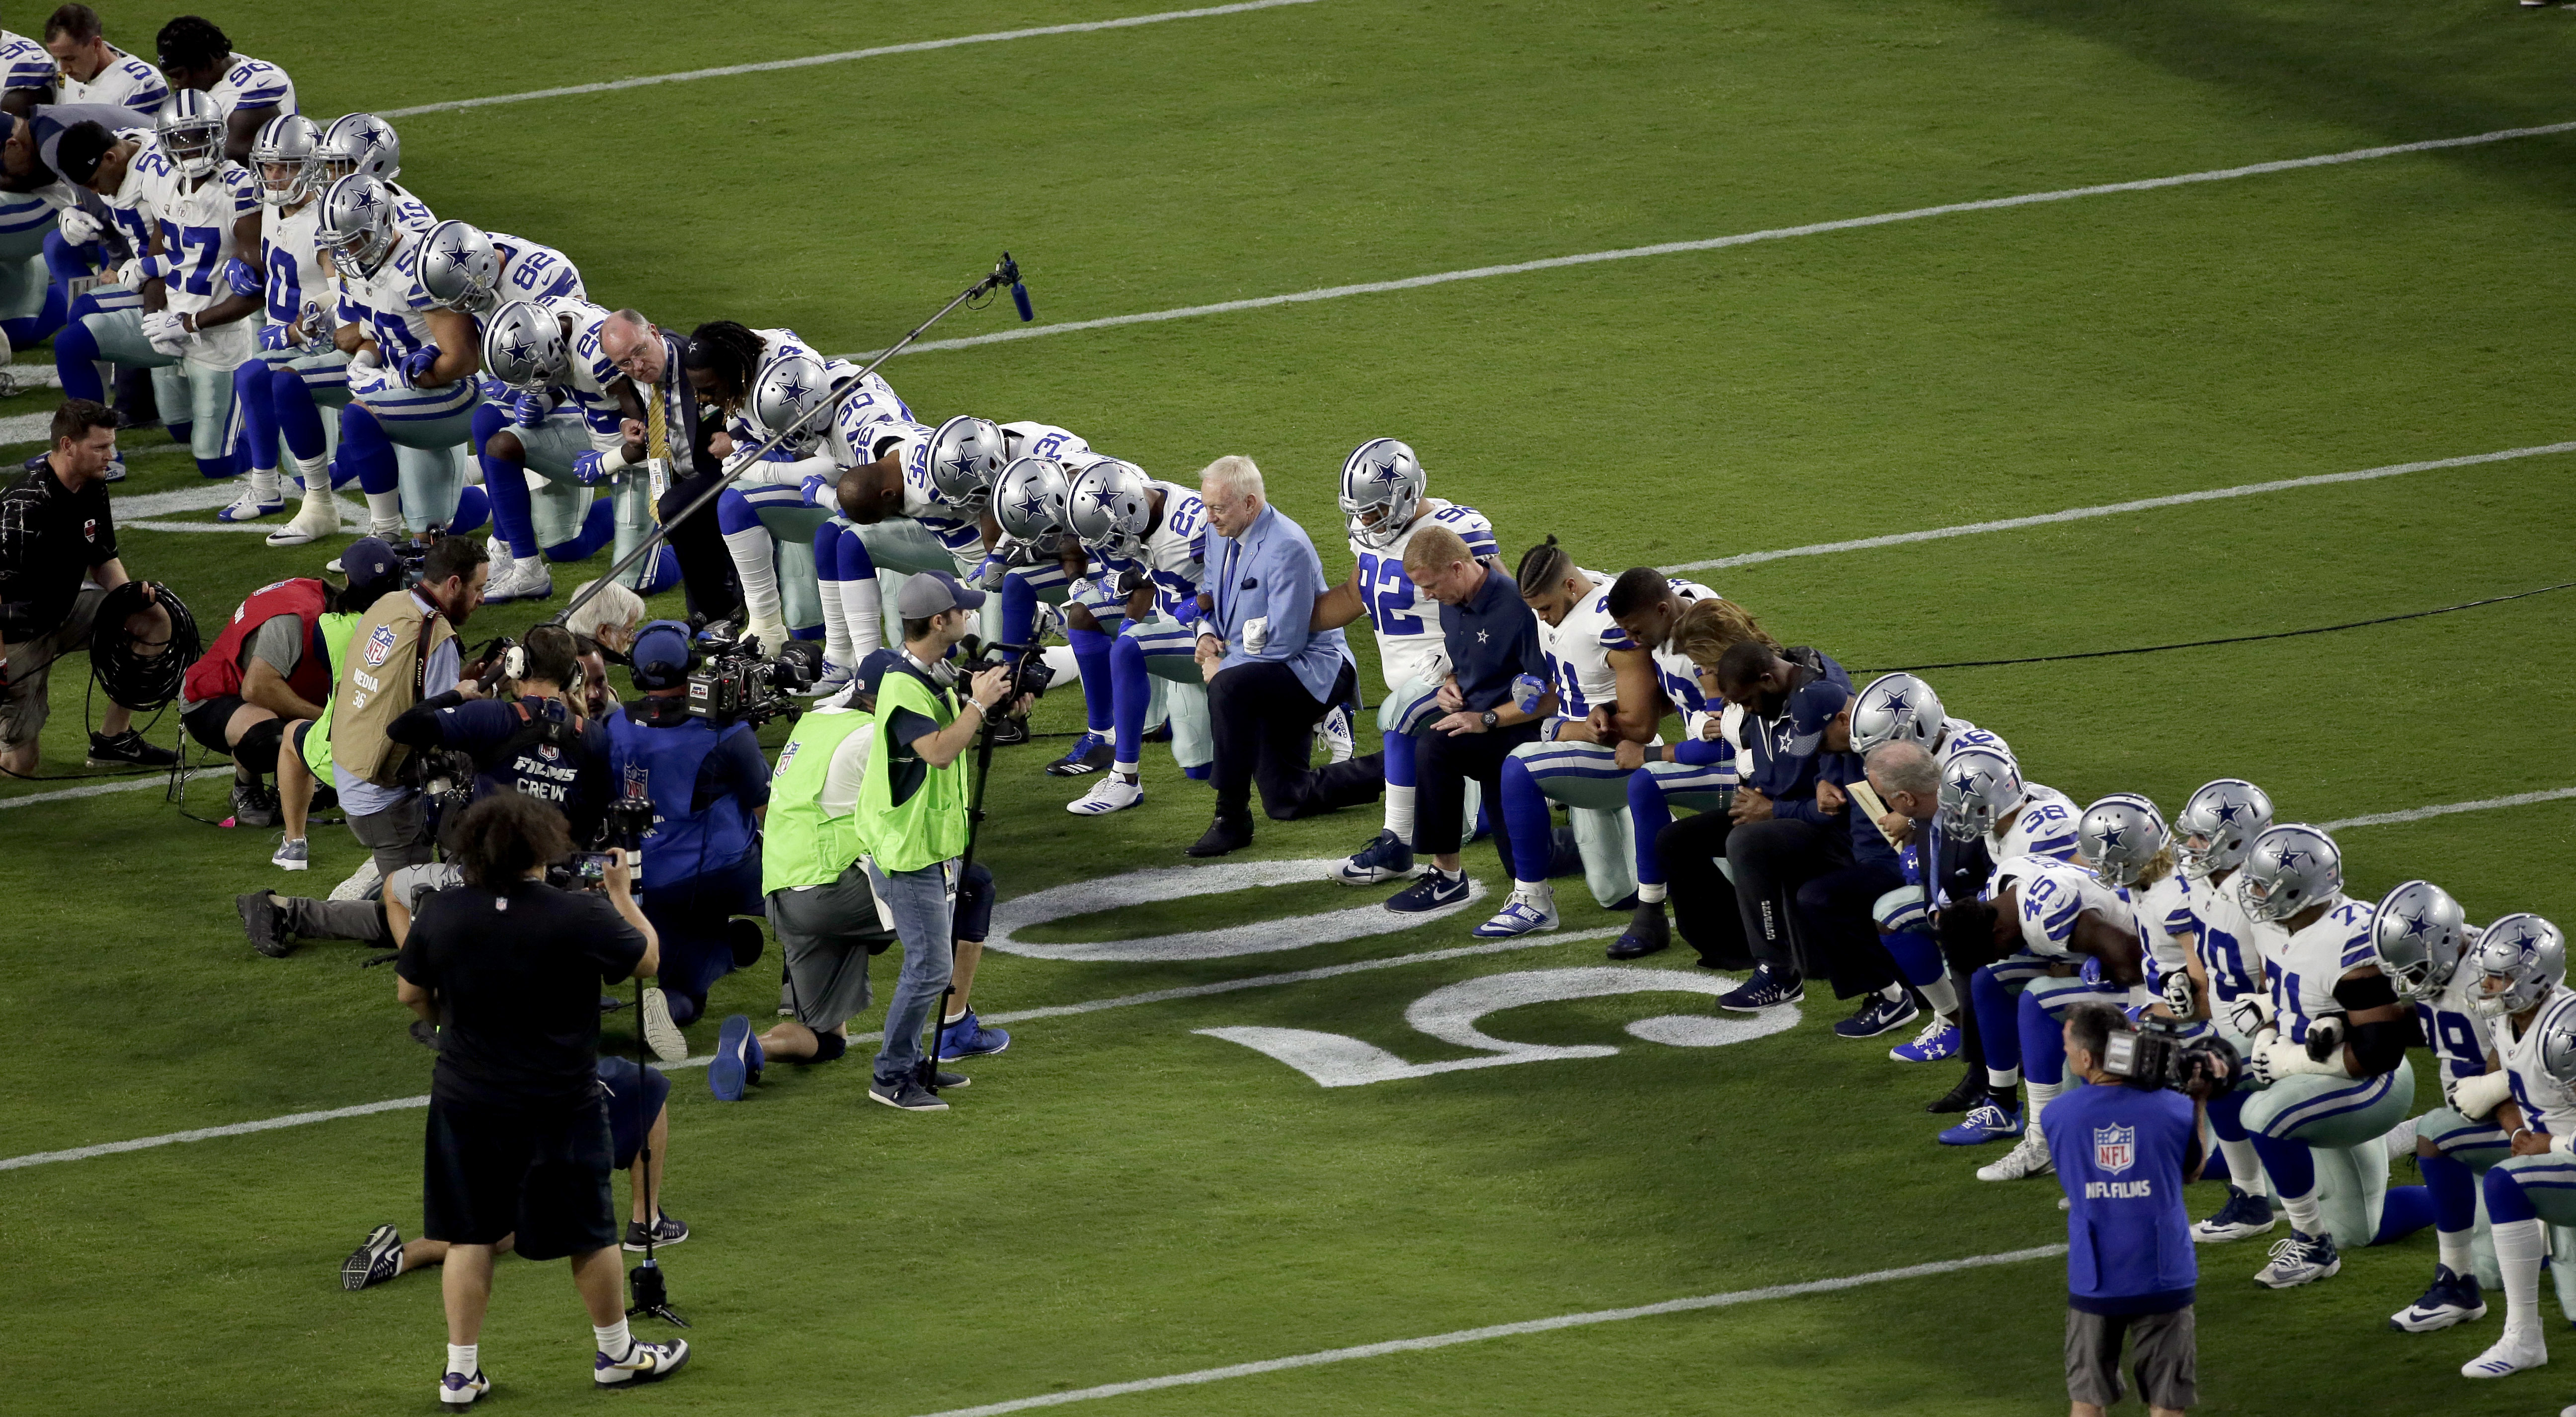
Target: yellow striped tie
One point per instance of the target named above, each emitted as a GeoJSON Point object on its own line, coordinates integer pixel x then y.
{"type": "Point", "coordinates": [657, 445]}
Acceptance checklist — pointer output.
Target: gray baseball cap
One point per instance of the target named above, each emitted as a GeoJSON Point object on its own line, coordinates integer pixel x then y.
{"type": "Point", "coordinates": [934, 593]}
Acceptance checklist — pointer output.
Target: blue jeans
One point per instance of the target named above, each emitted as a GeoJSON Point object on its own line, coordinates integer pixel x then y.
{"type": "Point", "coordinates": [918, 901]}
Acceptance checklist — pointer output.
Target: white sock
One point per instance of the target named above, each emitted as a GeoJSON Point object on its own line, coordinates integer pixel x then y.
{"type": "Point", "coordinates": [836, 633]}
{"type": "Point", "coordinates": [2244, 1167]}
{"type": "Point", "coordinates": [1650, 892]}
{"type": "Point", "coordinates": [1892, 993]}
{"type": "Point", "coordinates": [2003, 1079]}
{"type": "Point", "coordinates": [315, 474]}
{"type": "Point", "coordinates": [264, 484]}
{"type": "Point", "coordinates": [752, 564]}
{"type": "Point", "coordinates": [2519, 1246]}
{"type": "Point", "coordinates": [1943, 998]}
{"type": "Point", "coordinates": [382, 507]}
{"type": "Point", "coordinates": [614, 1340]}
{"type": "Point", "coordinates": [461, 1357]}
{"type": "Point", "coordinates": [2306, 1216]}
{"type": "Point", "coordinates": [2042, 1094]}
{"type": "Point", "coordinates": [1399, 811]}
{"type": "Point", "coordinates": [1125, 770]}
{"type": "Point", "coordinates": [863, 617]}
{"type": "Point", "coordinates": [2454, 1245]}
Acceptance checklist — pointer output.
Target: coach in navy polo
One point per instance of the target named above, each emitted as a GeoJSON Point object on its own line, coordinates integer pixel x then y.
{"type": "Point", "coordinates": [1270, 678]}
{"type": "Point", "coordinates": [1492, 638]}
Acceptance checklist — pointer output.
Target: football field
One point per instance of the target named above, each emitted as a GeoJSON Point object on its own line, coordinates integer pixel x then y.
{"type": "Point", "coordinates": [1932, 332]}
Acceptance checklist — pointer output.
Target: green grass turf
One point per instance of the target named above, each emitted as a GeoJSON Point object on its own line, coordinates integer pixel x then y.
{"type": "Point", "coordinates": [1119, 1197]}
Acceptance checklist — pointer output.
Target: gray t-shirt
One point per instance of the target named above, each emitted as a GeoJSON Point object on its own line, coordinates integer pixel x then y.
{"type": "Point", "coordinates": [279, 640]}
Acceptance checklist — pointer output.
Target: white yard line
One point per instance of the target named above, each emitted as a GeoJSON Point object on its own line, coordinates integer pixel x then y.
{"type": "Point", "coordinates": [1509, 1330]}
{"type": "Point", "coordinates": [136, 783]}
{"type": "Point", "coordinates": [1124, 1001]}
{"type": "Point", "coordinates": [2143, 504]}
{"type": "Point", "coordinates": [843, 57]}
{"type": "Point", "coordinates": [2484, 804]}
{"type": "Point", "coordinates": [1746, 238]}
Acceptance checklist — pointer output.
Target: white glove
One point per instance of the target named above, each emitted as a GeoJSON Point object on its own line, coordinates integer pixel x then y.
{"type": "Point", "coordinates": [2179, 997]}
{"type": "Point", "coordinates": [368, 378]}
{"type": "Point", "coordinates": [78, 227]}
{"type": "Point", "coordinates": [167, 330]}
{"type": "Point", "coordinates": [2478, 1096]}
{"type": "Point", "coordinates": [2281, 1058]}
{"type": "Point", "coordinates": [765, 638]}
{"type": "Point", "coordinates": [2250, 1015]}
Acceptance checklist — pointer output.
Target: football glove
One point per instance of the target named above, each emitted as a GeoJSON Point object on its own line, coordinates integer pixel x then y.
{"type": "Point", "coordinates": [243, 277]}
{"type": "Point", "coordinates": [1527, 690]}
{"type": "Point", "coordinates": [278, 337]}
{"type": "Point", "coordinates": [2325, 1038]}
{"type": "Point", "coordinates": [143, 270]}
{"type": "Point", "coordinates": [589, 467]}
{"type": "Point", "coordinates": [416, 365]}
{"type": "Point", "coordinates": [166, 330]}
{"type": "Point", "coordinates": [2478, 1096]}
{"type": "Point", "coordinates": [1130, 582]}
{"type": "Point", "coordinates": [318, 328]}
{"type": "Point", "coordinates": [2281, 1058]}
{"type": "Point", "coordinates": [990, 570]}
{"type": "Point", "coordinates": [2180, 999]}
{"type": "Point", "coordinates": [367, 378]}
{"type": "Point", "coordinates": [2250, 1015]}
{"type": "Point", "coordinates": [78, 227]}
{"type": "Point", "coordinates": [530, 409]}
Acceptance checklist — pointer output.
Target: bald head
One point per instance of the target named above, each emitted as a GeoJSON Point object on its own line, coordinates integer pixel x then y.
{"type": "Point", "coordinates": [634, 346]}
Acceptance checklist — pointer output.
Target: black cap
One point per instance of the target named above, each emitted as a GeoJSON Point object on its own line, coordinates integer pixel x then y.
{"type": "Point", "coordinates": [78, 151]}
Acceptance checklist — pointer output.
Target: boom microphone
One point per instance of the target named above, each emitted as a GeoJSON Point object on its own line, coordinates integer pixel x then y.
{"type": "Point", "coordinates": [1019, 292]}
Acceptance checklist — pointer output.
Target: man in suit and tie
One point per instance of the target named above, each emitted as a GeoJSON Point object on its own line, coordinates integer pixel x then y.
{"type": "Point", "coordinates": [1270, 678]}
{"type": "Point", "coordinates": [673, 434]}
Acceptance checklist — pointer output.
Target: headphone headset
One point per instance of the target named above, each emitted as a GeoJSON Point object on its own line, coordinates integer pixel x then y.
{"type": "Point", "coordinates": [689, 663]}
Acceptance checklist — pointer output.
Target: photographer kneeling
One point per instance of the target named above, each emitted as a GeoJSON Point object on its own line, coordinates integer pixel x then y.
{"type": "Point", "coordinates": [2123, 1153]}
{"type": "Point", "coordinates": [912, 811]}
{"type": "Point", "coordinates": [518, 1138]}
{"type": "Point", "coordinates": [538, 745]}
{"type": "Point", "coordinates": [707, 785]}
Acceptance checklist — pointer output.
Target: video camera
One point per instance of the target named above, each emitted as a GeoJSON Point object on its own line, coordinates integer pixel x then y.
{"type": "Point", "coordinates": [1030, 674]}
{"type": "Point", "coordinates": [736, 685]}
{"type": "Point", "coordinates": [622, 825]}
{"type": "Point", "coordinates": [2159, 1054]}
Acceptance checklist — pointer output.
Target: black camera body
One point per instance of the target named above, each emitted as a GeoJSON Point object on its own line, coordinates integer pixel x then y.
{"type": "Point", "coordinates": [1029, 672]}
{"type": "Point", "coordinates": [734, 685]}
{"type": "Point", "coordinates": [2160, 1054]}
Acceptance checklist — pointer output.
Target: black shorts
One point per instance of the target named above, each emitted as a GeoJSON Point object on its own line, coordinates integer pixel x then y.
{"type": "Point", "coordinates": [540, 1175]}
{"type": "Point", "coordinates": [629, 1120]}
{"type": "Point", "coordinates": [2162, 1353]}
{"type": "Point", "coordinates": [205, 722]}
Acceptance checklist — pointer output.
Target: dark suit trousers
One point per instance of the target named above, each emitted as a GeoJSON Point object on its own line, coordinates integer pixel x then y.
{"type": "Point", "coordinates": [1443, 764]}
{"type": "Point", "coordinates": [706, 567]}
{"type": "Point", "coordinates": [1264, 721]}
{"type": "Point", "coordinates": [1835, 910]}
{"type": "Point", "coordinates": [1703, 899]}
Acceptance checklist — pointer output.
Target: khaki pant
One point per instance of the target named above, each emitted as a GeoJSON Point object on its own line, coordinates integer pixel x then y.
{"type": "Point", "coordinates": [31, 662]}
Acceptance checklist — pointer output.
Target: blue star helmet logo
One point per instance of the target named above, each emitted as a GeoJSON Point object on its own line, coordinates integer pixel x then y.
{"type": "Point", "coordinates": [1030, 506]}
{"type": "Point", "coordinates": [1897, 702]}
{"type": "Point", "coordinates": [794, 391]}
{"type": "Point", "coordinates": [963, 465]}
{"type": "Point", "coordinates": [2291, 857]}
{"type": "Point", "coordinates": [2228, 812]}
{"type": "Point", "coordinates": [2417, 925]}
{"type": "Point", "coordinates": [523, 352]}
{"type": "Point", "coordinates": [364, 199]}
{"type": "Point", "coordinates": [2111, 836]}
{"type": "Point", "coordinates": [2522, 941]}
{"type": "Point", "coordinates": [1966, 782]}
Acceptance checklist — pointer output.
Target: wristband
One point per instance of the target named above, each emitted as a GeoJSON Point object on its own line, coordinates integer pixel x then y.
{"type": "Point", "coordinates": [2562, 1145]}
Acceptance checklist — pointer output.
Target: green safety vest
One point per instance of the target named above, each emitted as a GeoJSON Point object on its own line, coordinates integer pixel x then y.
{"type": "Point", "coordinates": [799, 845]}
{"type": "Point", "coordinates": [911, 814]}
{"type": "Point", "coordinates": [317, 739]}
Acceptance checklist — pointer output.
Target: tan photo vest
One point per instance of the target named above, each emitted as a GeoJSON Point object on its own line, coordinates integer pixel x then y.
{"type": "Point", "coordinates": [388, 655]}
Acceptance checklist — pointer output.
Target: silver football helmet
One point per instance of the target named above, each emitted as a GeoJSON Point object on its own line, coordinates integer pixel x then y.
{"type": "Point", "coordinates": [1978, 786]}
{"type": "Point", "coordinates": [356, 225]}
{"type": "Point", "coordinates": [291, 142]}
{"type": "Point", "coordinates": [523, 346]}
{"type": "Point", "coordinates": [2222, 818]}
{"type": "Point", "coordinates": [2558, 1049]}
{"type": "Point", "coordinates": [965, 456]}
{"type": "Point", "coordinates": [1896, 708]}
{"type": "Point", "coordinates": [459, 270]}
{"type": "Point", "coordinates": [2119, 837]}
{"type": "Point", "coordinates": [191, 130]}
{"type": "Point", "coordinates": [2289, 868]}
{"type": "Point", "coordinates": [2522, 958]}
{"type": "Point", "coordinates": [2419, 935]}
{"type": "Point", "coordinates": [361, 143]}
{"type": "Point", "coordinates": [1029, 499]}
{"type": "Point", "coordinates": [787, 388]}
{"type": "Point", "coordinates": [1107, 508]}
{"type": "Point", "coordinates": [1382, 476]}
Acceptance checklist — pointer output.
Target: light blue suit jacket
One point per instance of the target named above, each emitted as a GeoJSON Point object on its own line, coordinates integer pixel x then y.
{"type": "Point", "coordinates": [1272, 573]}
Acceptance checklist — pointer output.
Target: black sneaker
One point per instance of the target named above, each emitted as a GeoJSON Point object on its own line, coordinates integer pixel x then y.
{"type": "Point", "coordinates": [1876, 1015]}
{"type": "Point", "coordinates": [908, 1095]}
{"type": "Point", "coordinates": [1435, 889]}
{"type": "Point", "coordinates": [265, 923]}
{"type": "Point", "coordinates": [667, 1231]}
{"type": "Point", "coordinates": [253, 805]}
{"type": "Point", "coordinates": [127, 750]}
{"type": "Point", "coordinates": [374, 1262]}
{"type": "Point", "coordinates": [1765, 990]}
{"type": "Point", "coordinates": [1010, 732]}
{"type": "Point", "coordinates": [1647, 933]}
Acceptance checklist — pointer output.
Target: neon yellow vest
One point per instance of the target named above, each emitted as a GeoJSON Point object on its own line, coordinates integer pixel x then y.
{"type": "Point", "coordinates": [799, 845]}
{"type": "Point", "coordinates": [317, 739]}
{"type": "Point", "coordinates": [911, 814]}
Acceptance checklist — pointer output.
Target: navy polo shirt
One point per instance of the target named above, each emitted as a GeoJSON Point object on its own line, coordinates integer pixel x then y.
{"type": "Point", "coordinates": [1493, 639]}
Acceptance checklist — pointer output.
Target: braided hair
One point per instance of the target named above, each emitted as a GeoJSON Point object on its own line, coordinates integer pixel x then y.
{"type": "Point", "coordinates": [1544, 564]}
{"type": "Point", "coordinates": [732, 353]}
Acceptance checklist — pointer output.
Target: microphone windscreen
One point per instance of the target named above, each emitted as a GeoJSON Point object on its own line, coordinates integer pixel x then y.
{"type": "Point", "coordinates": [1020, 297]}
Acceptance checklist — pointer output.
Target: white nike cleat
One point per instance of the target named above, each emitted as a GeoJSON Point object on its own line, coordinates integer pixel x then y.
{"type": "Point", "coordinates": [2516, 1350]}
{"type": "Point", "coordinates": [769, 636]}
{"type": "Point", "coordinates": [319, 518]}
{"type": "Point", "coordinates": [525, 578]}
{"type": "Point", "coordinates": [660, 1033]}
{"type": "Point", "coordinates": [2029, 1157]}
{"type": "Point", "coordinates": [249, 506]}
{"type": "Point", "coordinates": [460, 1390]}
{"type": "Point", "coordinates": [2400, 1139]}
{"type": "Point", "coordinates": [1526, 913]}
{"type": "Point", "coordinates": [1335, 730]}
{"type": "Point", "coordinates": [1112, 793]}
{"type": "Point", "coordinates": [2300, 1259]}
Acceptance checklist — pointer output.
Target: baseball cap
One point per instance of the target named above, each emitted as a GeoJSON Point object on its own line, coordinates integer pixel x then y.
{"type": "Point", "coordinates": [78, 151]}
{"type": "Point", "coordinates": [1810, 710]}
{"type": "Point", "coordinates": [369, 561]}
{"type": "Point", "coordinates": [659, 658]}
{"type": "Point", "coordinates": [933, 593]}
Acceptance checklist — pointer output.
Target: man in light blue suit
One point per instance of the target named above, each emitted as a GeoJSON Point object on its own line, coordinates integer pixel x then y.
{"type": "Point", "coordinates": [1270, 676]}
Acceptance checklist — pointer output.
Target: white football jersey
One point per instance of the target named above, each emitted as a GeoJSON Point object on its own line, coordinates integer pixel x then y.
{"type": "Point", "coordinates": [2307, 966]}
{"type": "Point", "coordinates": [2169, 919]}
{"type": "Point", "coordinates": [410, 212]}
{"type": "Point", "coordinates": [2232, 946]}
{"type": "Point", "coordinates": [291, 263]}
{"type": "Point", "coordinates": [1958, 733]}
{"type": "Point", "coordinates": [2453, 1027]}
{"type": "Point", "coordinates": [1578, 657]}
{"type": "Point", "coordinates": [2044, 825]}
{"type": "Point", "coordinates": [2052, 894]}
{"type": "Point", "coordinates": [587, 382]}
{"type": "Point", "coordinates": [251, 83]}
{"type": "Point", "coordinates": [1409, 642]}
{"type": "Point", "coordinates": [1674, 670]}
{"type": "Point", "coordinates": [125, 81]}
{"type": "Point", "coordinates": [2548, 1105]}
{"type": "Point", "coordinates": [1030, 439]}
{"type": "Point", "coordinates": [193, 221]}
{"type": "Point", "coordinates": [390, 307]}
{"type": "Point", "coordinates": [961, 534]}
{"type": "Point", "coordinates": [148, 166]}
{"type": "Point", "coordinates": [24, 64]}
{"type": "Point", "coordinates": [531, 270]}
{"type": "Point", "coordinates": [1175, 552]}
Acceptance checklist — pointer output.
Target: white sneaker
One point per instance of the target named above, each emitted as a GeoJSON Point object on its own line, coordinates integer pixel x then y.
{"type": "Point", "coordinates": [2300, 1259]}
{"type": "Point", "coordinates": [459, 1390]}
{"type": "Point", "coordinates": [2516, 1350]}
{"type": "Point", "coordinates": [523, 579]}
{"type": "Point", "coordinates": [1049, 621]}
{"type": "Point", "coordinates": [295, 855]}
{"type": "Point", "coordinates": [2028, 1158]}
{"type": "Point", "coordinates": [1335, 730]}
{"type": "Point", "coordinates": [1112, 793]}
{"type": "Point", "coordinates": [360, 881]}
{"type": "Point", "coordinates": [249, 506]}
{"type": "Point", "coordinates": [660, 1034]}
{"type": "Point", "coordinates": [1526, 913]}
{"type": "Point", "coordinates": [319, 518]}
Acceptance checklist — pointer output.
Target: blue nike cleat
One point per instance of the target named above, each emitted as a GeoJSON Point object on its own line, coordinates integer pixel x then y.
{"type": "Point", "coordinates": [2453, 1299]}
{"type": "Point", "coordinates": [1527, 912]}
{"type": "Point", "coordinates": [2242, 1218]}
{"type": "Point", "coordinates": [967, 1037]}
{"type": "Point", "coordinates": [1436, 889]}
{"type": "Point", "coordinates": [250, 507]}
{"type": "Point", "coordinates": [1764, 990]}
{"type": "Point", "coordinates": [1937, 1041]}
{"type": "Point", "coordinates": [1387, 857]}
{"type": "Point", "coordinates": [1876, 1015]}
{"type": "Point", "coordinates": [738, 1060]}
{"type": "Point", "coordinates": [1985, 1122]}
